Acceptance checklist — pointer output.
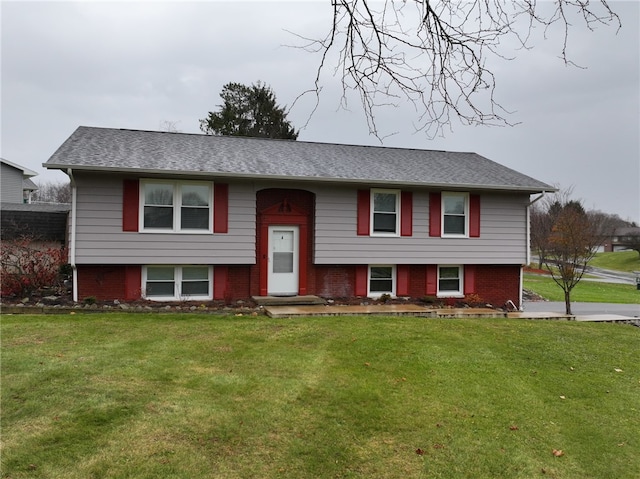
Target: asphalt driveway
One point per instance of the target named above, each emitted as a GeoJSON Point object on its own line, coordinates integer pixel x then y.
{"type": "Point", "coordinates": [582, 309]}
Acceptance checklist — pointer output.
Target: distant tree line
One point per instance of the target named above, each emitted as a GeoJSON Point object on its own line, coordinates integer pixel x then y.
{"type": "Point", "coordinates": [52, 192]}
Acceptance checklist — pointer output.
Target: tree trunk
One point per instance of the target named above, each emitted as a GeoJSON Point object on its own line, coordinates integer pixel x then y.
{"type": "Point", "coordinates": [567, 302]}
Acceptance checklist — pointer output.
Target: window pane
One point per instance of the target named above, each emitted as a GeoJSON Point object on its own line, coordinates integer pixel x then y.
{"type": "Point", "coordinates": [192, 288]}
{"type": "Point", "coordinates": [160, 288]}
{"type": "Point", "coordinates": [194, 218]}
{"type": "Point", "coordinates": [449, 285]}
{"type": "Point", "coordinates": [282, 262]}
{"type": "Point", "coordinates": [195, 273]}
{"type": "Point", "coordinates": [454, 225]}
{"type": "Point", "coordinates": [384, 222]}
{"type": "Point", "coordinates": [381, 272]}
{"type": "Point", "coordinates": [158, 194]}
{"type": "Point", "coordinates": [384, 202]}
{"type": "Point", "coordinates": [159, 273]}
{"type": "Point", "coordinates": [195, 195]}
{"type": "Point", "coordinates": [381, 286]}
{"type": "Point", "coordinates": [449, 272]}
{"type": "Point", "coordinates": [454, 205]}
{"type": "Point", "coordinates": [158, 217]}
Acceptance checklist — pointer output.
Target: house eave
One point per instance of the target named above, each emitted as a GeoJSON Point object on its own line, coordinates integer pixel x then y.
{"type": "Point", "coordinates": [306, 179]}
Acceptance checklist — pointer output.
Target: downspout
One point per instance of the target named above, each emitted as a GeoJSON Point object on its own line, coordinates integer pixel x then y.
{"type": "Point", "coordinates": [529, 225]}
{"type": "Point", "coordinates": [72, 239]}
{"type": "Point", "coordinates": [528, 243]}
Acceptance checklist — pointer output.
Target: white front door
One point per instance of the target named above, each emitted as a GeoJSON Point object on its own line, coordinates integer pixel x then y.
{"type": "Point", "coordinates": [283, 260]}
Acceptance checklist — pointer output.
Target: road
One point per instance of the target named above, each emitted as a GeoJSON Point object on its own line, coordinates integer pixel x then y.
{"type": "Point", "coordinates": [609, 276]}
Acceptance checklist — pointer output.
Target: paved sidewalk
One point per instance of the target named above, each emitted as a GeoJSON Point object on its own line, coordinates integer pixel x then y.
{"type": "Point", "coordinates": [584, 309]}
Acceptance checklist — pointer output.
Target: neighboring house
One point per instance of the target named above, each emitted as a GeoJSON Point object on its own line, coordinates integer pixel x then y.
{"type": "Point", "coordinates": [622, 239]}
{"type": "Point", "coordinates": [15, 183]}
{"type": "Point", "coordinates": [43, 224]}
{"type": "Point", "coordinates": [173, 216]}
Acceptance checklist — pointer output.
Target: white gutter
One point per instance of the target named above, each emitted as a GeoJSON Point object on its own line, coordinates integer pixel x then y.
{"type": "Point", "coordinates": [72, 239]}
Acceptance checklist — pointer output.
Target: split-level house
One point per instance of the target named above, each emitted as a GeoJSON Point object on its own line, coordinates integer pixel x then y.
{"type": "Point", "coordinates": [174, 216]}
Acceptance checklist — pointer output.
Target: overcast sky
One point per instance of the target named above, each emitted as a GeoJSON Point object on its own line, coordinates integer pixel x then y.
{"type": "Point", "coordinates": [137, 65]}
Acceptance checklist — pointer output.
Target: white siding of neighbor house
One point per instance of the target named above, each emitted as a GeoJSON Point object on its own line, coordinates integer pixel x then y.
{"type": "Point", "coordinates": [11, 185]}
{"type": "Point", "coordinates": [502, 233]}
{"type": "Point", "coordinates": [100, 239]}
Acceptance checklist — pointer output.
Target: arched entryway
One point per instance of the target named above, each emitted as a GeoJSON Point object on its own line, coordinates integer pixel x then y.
{"type": "Point", "coordinates": [285, 223]}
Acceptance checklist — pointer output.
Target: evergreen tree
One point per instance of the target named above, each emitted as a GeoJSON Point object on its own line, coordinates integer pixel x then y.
{"type": "Point", "coordinates": [249, 111]}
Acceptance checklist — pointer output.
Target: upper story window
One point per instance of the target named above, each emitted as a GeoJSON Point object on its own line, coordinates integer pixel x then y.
{"type": "Point", "coordinates": [176, 206]}
{"type": "Point", "coordinates": [455, 217]}
{"type": "Point", "coordinates": [384, 212]}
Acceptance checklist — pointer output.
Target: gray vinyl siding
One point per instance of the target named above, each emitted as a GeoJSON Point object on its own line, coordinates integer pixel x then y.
{"type": "Point", "coordinates": [502, 233]}
{"type": "Point", "coordinates": [100, 239]}
{"type": "Point", "coordinates": [11, 184]}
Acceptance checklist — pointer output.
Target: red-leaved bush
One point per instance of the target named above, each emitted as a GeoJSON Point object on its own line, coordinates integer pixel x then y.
{"type": "Point", "coordinates": [25, 268]}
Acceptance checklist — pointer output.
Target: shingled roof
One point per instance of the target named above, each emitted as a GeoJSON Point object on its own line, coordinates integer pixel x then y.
{"type": "Point", "coordinates": [153, 152]}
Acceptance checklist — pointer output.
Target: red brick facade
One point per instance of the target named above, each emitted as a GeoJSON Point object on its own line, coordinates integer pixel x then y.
{"type": "Point", "coordinates": [494, 284]}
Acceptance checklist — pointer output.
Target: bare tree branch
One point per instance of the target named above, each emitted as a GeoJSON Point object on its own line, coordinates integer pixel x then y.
{"type": "Point", "coordinates": [433, 53]}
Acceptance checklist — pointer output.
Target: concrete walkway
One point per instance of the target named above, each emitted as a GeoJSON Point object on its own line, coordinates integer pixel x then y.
{"type": "Point", "coordinates": [585, 309]}
{"type": "Point", "coordinates": [596, 312]}
{"type": "Point", "coordinates": [289, 311]}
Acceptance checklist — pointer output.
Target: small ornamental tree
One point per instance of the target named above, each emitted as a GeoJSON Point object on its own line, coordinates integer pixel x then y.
{"type": "Point", "coordinates": [573, 242]}
{"type": "Point", "coordinates": [25, 268]}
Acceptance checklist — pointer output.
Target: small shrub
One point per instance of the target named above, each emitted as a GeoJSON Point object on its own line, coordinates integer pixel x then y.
{"type": "Point", "coordinates": [384, 298]}
{"type": "Point", "coordinates": [429, 299]}
{"type": "Point", "coordinates": [474, 300]}
{"type": "Point", "coordinates": [89, 300]}
{"type": "Point", "coordinates": [24, 268]}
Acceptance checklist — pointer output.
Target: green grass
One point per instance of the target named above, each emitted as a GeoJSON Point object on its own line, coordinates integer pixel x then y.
{"type": "Point", "coordinates": [585, 291]}
{"type": "Point", "coordinates": [196, 396]}
{"type": "Point", "coordinates": [628, 261]}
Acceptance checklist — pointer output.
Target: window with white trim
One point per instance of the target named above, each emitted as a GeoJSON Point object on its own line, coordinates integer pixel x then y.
{"type": "Point", "coordinates": [176, 206]}
{"type": "Point", "coordinates": [450, 281]}
{"type": "Point", "coordinates": [455, 214]}
{"type": "Point", "coordinates": [177, 283]}
{"type": "Point", "coordinates": [382, 280]}
{"type": "Point", "coordinates": [385, 216]}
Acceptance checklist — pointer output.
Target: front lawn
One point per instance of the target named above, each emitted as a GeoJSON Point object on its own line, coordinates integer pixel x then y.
{"type": "Point", "coordinates": [203, 396]}
{"type": "Point", "coordinates": [585, 291]}
{"type": "Point", "coordinates": [628, 261]}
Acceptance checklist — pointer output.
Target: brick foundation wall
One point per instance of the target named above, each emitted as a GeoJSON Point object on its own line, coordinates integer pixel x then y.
{"type": "Point", "coordinates": [238, 283]}
{"type": "Point", "coordinates": [103, 282]}
{"type": "Point", "coordinates": [495, 284]}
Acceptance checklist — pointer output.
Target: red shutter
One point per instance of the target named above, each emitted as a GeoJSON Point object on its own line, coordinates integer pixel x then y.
{"type": "Point", "coordinates": [435, 214]}
{"type": "Point", "coordinates": [469, 279]}
{"type": "Point", "coordinates": [432, 279]}
{"type": "Point", "coordinates": [362, 276]}
{"type": "Point", "coordinates": [130, 205]}
{"type": "Point", "coordinates": [132, 282]}
{"type": "Point", "coordinates": [221, 208]}
{"type": "Point", "coordinates": [402, 280]}
{"type": "Point", "coordinates": [406, 213]}
{"type": "Point", "coordinates": [474, 216]}
{"type": "Point", "coordinates": [364, 213]}
{"type": "Point", "coordinates": [220, 279]}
